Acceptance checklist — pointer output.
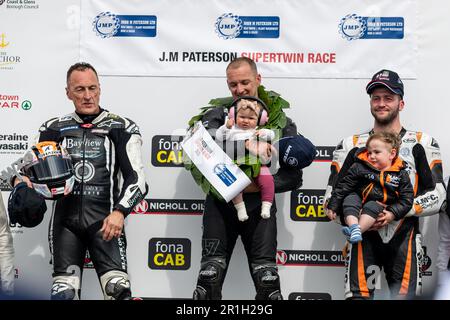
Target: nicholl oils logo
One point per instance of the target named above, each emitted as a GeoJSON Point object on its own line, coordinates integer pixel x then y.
{"type": "Point", "coordinates": [186, 207]}
{"type": "Point", "coordinates": [317, 258]}
{"type": "Point", "coordinates": [324, 154]}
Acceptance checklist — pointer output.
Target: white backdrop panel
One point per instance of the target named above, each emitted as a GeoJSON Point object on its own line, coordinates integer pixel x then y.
{"type": "Point", "coordinates": [325, 106]}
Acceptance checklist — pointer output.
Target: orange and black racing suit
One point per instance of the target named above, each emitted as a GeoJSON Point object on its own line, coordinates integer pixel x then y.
{"type": "Point", "coordinates": [396, 247]}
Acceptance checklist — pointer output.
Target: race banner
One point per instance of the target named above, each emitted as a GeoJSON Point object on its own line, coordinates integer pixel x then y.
{"type": "Point", "coordinates": [286, 38]}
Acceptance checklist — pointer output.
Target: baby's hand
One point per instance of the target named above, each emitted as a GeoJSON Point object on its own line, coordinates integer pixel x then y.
{"type": "Point", "coordinates": [230, 123]}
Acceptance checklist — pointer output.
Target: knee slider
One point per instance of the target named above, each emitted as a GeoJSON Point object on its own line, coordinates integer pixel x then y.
{"type": "Point", "coordinates": [211, 271]}
{"type": "Point", "coordinates": [115, 285]}
{"type": "Point", "coordinates": [267, 283]}
{"type": "Point", "coordinates": [210, 278]}
{"type": "Point", "coordinates": [65, 288]}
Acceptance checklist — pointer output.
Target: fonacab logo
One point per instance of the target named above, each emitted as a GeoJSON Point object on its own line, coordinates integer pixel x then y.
{"type": "Point", "coordinates": [307, 205]}
{"type": "Point", "coordinates": [309, 296]}
{"type": "Point", "coordinates": [169, 253]}
{"type": "Point", "coordinates": [166, 151]}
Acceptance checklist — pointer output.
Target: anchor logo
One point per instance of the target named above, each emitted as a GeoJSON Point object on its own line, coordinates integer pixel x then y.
{"type": "Point", "coordinates": [3, 43]}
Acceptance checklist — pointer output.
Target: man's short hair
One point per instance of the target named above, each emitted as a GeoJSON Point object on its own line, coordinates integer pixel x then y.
{"type": "Point", "coordinates": [80, 66]}
{"type": "Point", "coordinates": [236, 63]}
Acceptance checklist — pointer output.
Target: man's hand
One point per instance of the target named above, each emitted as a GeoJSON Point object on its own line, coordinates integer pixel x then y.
{"type": "Point", "coordinates": [260, 148]}
{"type": "Point", "coordinates": [330, 214]}
{"type": "Point", "coordinates": [383, 219]}
{"type": "Point", "coordinates": [112, 225]}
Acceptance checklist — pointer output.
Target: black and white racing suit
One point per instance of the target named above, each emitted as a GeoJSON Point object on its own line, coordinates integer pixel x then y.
{"type": "Point", "coordinates": [221, 228]}
{"type": "Point", "coordinates": [396, 247]}
{"type": "Point", "coordinates": [109, 175]}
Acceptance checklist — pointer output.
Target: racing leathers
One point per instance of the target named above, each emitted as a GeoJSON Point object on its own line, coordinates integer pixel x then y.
{"type": "Point", "coordinates": [6, 253]}
{"type": "Point", "coordinates": [395, 247]}
{"type": "Point", "coordinates": [221, 227]}
{"type": "Point", "coordinates": [109, 175]}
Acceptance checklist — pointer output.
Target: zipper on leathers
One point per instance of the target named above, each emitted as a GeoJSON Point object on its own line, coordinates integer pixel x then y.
{"type": "Point", "coordinates": [83, 142]}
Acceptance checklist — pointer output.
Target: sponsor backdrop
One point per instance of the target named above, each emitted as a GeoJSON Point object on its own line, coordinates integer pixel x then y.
{"type": "Point", "coordinates": [160, 61]}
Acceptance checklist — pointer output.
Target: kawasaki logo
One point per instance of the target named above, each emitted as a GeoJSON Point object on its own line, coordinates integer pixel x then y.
{"type": "Point", "coordinates": [14, 146]}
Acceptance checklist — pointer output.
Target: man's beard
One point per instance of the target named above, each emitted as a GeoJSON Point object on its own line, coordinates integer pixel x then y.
{"type": "Point", "coordinates": [389, 118]}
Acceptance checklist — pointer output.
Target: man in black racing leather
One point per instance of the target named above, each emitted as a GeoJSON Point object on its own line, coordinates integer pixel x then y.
{"type": "Point", "coordinates": [109, 182]}
{"type": "Point", "coordinates": [221, 227]}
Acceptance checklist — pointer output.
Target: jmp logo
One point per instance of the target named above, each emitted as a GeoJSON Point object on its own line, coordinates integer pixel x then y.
{"type": "Point", "coordinates": [106, 24]}
{"type": "Point", "coordinates": [228, 26]}
{"type": "Point", "coordinates": [224, 174]}
{"type": "Point", "coordinates": [352, 27]}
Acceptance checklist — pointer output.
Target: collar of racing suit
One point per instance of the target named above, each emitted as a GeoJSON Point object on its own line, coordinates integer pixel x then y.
{"type": "Point", "coordinates": [401, 133]}
{"type": "Point", "coordinates": [88, 118]}
{"type": "Point", "coordinates": [362, 155]}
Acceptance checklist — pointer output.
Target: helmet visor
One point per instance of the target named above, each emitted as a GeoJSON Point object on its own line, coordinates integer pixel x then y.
{"type": "Point", "coordinates": [51, 168]}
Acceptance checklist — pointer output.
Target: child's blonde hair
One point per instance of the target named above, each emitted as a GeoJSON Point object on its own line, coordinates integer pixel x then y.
{"type": "Point", "coordinates": [387, 137]}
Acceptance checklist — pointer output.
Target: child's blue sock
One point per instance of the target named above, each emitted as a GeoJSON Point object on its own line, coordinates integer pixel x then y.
{"type": "Point", "coordinates": [346, 231]}
{"type": "Point", "coordinates": [355, 233]}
